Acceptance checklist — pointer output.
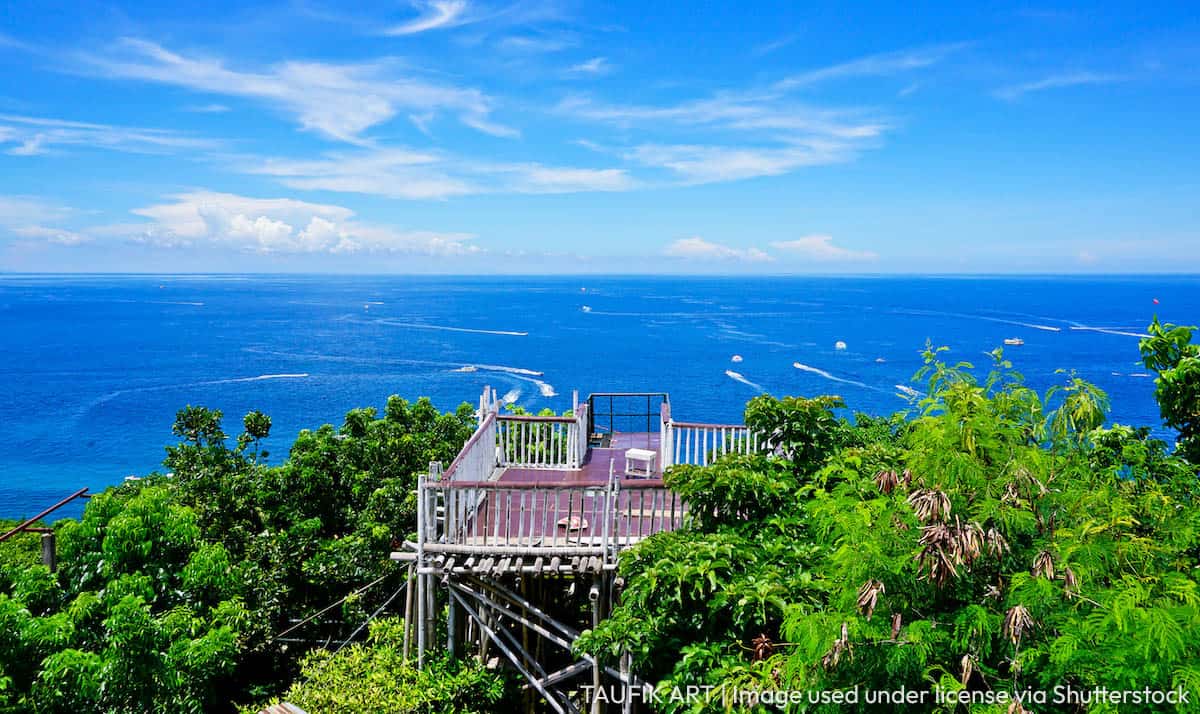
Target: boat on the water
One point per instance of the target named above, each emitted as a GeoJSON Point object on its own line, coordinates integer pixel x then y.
{"type": "Point", "coordinates": [1017, 341]}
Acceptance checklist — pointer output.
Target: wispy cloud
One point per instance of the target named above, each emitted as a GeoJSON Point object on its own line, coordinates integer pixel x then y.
{"type": "Point", "coordinates": [767, 48]}
{"type": "Point", "coordinates": [707, 164]}
{"type": "Point", "coordinates": [536, 44]}
{"type": "Point", "coordinates": [435, 15]}
{"type": "Point", "coordinates": [1058, 81]}
{"type": "Point", "coordinates": [821, 248]}
{"type": "Point", "coordinates": [57, 236]}
{"type": "Point", "coordinates": [278, 225]}
{"type": "Point", "coordinates": [413, 174]}
{"type": "Point", "coordinates": [743, 134]}
{"type": "Point", "coordinates": [9, 41]}
{"type": "Point", "coordinates": [24, 210]}
{"type": "Point", "coordinates": [30, 136]}
{"type": "Point", "coordinates": [697, 248]}
{"type": "Point", "coordinates": [340, 101]}
{"type": "Point", "coordinates": [207, 108]}
{"type": "Point", "coordinates": [814, 248]}
{"type": "Point", "coordinates": [731, 111]}
{"type": "Point", "coordinates": [876, 65]}
{"type": "Point", "coordinates": [594, 66]}
{"type": "Point", "coordinates": [393, 173]}
{"type": "Point", "coordinates": [484, 18]}
{"type": "Point", "coordinates": [32, 218]}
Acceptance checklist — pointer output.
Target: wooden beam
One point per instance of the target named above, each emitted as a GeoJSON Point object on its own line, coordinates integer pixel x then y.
{"type": "Point", "coordinates": [558, 706]}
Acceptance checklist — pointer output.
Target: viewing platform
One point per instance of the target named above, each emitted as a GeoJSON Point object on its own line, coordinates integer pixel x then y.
{"type": "Point", "coordinates": [581, 487]}
{"type": "Point", "coordinates": [556, 498]}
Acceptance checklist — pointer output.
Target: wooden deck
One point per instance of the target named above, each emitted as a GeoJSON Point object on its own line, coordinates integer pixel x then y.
{"type": "Point", "coordinates": [528, 485]}
{"type": "Point", "coordinates": [595, 466]}
{"type": "Point", "coordinates": [590, 509]}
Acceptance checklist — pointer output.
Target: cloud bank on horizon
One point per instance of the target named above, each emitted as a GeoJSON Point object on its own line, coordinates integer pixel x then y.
{"type": "Point", "coordinates": [547, 136]}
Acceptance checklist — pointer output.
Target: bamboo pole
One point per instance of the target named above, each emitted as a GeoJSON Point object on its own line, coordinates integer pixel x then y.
{"type": "Point", "coordinates": [491, 634]}
{"type": "Point", "coordinates": [408, 609]}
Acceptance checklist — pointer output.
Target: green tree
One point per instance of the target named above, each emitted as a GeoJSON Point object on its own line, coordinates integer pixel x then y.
{"type": "Point", "coordinates": [171, 589]}
{"type": "Point", "coordinates": [986, 545]}
{"type": "Point", "coordinates": [374, 677]}
{"type": "Point", "coordinates": [1171, 354]}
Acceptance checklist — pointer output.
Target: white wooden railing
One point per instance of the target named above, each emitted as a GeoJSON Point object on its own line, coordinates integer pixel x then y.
{"type": "Point", "coordinates": [537, 442]}
{"type": "Point", "coordinates": [700, 444]}
{"type": "Point", "coordinates": [547, 518]}
{"type": "Point", "coordinates": [477, 460]}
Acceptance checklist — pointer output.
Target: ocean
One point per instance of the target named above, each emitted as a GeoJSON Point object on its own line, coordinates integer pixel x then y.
{"type": "Point", "coordinates": [95, 367]}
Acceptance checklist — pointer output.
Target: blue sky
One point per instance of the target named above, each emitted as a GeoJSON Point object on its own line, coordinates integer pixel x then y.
{"type": "Point", "coordinates": [464, 136]}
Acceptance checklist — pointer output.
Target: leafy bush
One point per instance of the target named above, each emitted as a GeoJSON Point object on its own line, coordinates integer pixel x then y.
{"type": "Point", "coordinates": [373, 677]}
{"type": "Point", "coordinates": [1000, 540]}
{"type": "Point", "coordinates": [171, 589]}
{"type": "Point", "coordinates": [1171, 354]}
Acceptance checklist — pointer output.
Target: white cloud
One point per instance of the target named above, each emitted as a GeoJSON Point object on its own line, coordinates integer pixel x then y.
{"type": "Point", "coordinates": [821, 248]}
{"type": "Point", "coordinates": [30, 136]}
{"type": "Point", "coordinates": [21, 210]}
{"type": "Point", "coordinates": [207, 108]}
{"type": "Point", "coordinates": [27, 217]}
{"type": "Point", "coordinates": [417, 175]}
{"type": "Point", "coordinates": [768, 47]}
{"type": "Point", "coordinates": [340, 101]}
{"type": "Point", "coordinates": [1056, 81]}
{"type": "Point", "coordinates": [697, 248]}
{"type": "Point", "coordinates": [708, 164]}
{"type": "Point", "coordinates": [278, 225]}
{"type": "Point", "coordinates": [594, 66]}
{"type": "Point", "coordinates": [394, 173]}
{"type": "Point", "coordinates": [9, 41]}
{"type": "Point", "coordinates": [536, 178]}
{"type": "Point", "coordinates": [484, 19]}
{"type": "Point", "coordinates": [58, 236]}
{"type": "Point", "coordinates": [535, 44]}
{"type": "Point", "coordinates": [435, 14]}
{"type": "Point", "coordinates": [877, 65]}
{"type": "Point", "coordinates": [743, 134]}
{"type": "Point", "coordinates": [724, 111]}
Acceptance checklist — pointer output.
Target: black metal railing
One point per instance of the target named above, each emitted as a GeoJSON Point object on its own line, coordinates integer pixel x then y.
{"type": "Point", "coordinates": [627, 412]}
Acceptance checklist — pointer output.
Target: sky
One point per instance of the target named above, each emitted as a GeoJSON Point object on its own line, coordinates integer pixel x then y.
{"type": "Point", "coordinates": [547, 136]}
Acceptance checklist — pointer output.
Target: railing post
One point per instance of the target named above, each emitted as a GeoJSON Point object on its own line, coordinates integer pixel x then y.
{"type": "Point", "coordinates": [610, 510]}
{"type": "Point", "coordinates": [422, 603]}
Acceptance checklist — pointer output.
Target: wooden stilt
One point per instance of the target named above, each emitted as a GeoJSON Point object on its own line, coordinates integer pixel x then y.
{"type": "Point", "coordinates": [408, 609]}
{"type": "Point", "coordinates": [451, 629]}
{"type": "Point", "coordinates": [554, 702]}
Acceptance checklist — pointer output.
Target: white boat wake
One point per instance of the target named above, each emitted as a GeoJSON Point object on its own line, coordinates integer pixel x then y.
{"type": "Point", "coordinates": [822, 373]}
{"type": "Point", "coordinates": [447, 328]}
{"type": "Point", "coordinates": [737, 377]}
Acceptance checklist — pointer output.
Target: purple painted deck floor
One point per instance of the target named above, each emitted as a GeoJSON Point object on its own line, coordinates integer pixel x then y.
{"type": "Point", "coordinates": [595, 467]}
{"type": "Point", "coordinates": [532, 518]}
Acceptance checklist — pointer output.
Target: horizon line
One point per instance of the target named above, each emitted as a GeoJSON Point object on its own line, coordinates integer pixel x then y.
{"type": "Point", "coordinates": [935, 274]}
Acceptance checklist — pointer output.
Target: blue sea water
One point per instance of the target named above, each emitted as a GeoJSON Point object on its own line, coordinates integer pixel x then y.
{"type": "Point", "coordinates": [94, 367]}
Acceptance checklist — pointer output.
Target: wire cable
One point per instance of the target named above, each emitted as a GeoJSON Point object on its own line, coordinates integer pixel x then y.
{"type": "Point", "coordinates": [315, 615]}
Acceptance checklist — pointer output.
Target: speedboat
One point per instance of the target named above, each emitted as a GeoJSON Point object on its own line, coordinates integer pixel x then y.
{"type": "Point", "coordinates": [1016, 341]}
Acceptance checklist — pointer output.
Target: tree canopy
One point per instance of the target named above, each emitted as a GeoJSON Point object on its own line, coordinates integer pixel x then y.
{"type": "Point", "coordinates": [172, 589]}
{"type": "Point", "coordinates": [998, 540]}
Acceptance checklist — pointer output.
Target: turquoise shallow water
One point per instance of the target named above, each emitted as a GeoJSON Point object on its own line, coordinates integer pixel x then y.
{"type": "Point", "coordinates": [94, 367]}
